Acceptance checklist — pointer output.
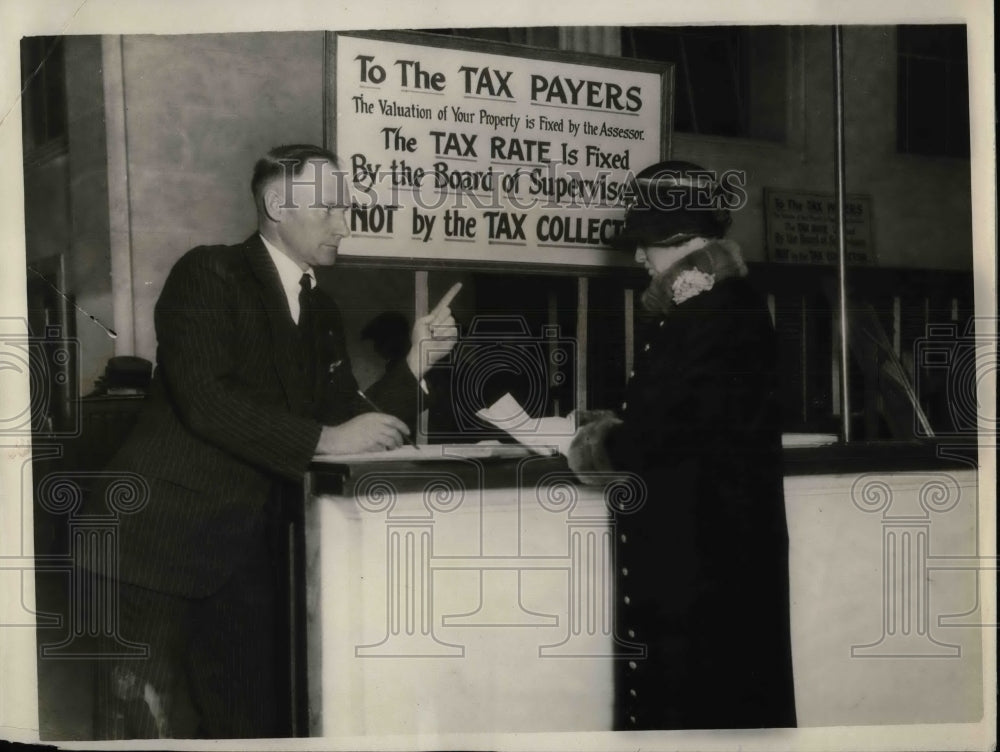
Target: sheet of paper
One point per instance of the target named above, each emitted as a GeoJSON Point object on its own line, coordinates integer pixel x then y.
{"type": "Point", "coordinates": [429, 452]}
{"type": "Point", "coordinates": [807, 439]}
{"type": "Point", "coordinates": [541, 434]}
{"type": "Point", "coordinates": [405, 452]}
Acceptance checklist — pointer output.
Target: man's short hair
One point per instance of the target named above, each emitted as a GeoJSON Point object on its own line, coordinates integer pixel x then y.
{"type": "Point", "coordinates": [276, 162]}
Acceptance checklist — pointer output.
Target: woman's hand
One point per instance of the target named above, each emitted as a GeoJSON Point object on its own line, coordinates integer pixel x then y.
{"type": "Point", "coordinates": [587, 455]}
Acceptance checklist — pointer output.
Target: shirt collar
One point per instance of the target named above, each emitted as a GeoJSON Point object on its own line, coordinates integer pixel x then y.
{"type": "Point", "coordinates": [290, 275]}
{"type": "Point", "coordinates": [286, 267]}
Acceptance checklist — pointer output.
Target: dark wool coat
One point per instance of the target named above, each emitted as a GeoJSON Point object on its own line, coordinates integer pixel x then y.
{"type": "Point", "coordinates": [702, 566]}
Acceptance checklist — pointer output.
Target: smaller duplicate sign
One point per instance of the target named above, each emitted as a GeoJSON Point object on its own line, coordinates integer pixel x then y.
{"type": "Point", "coordinates": [801, 228]}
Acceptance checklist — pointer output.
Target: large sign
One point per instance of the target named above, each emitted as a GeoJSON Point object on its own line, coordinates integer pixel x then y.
{"type": "Point", "coordinates": [801, 228]}
{"type": "Point", "coordinates": [468, 151]}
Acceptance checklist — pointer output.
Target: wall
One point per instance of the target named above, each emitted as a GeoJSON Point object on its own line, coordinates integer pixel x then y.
{"type": "Point", "coordinates": [922, 215]}
{"type": "Point", "coordinates": [89, 260]}
{"type": "Point", "coordinates": [199, 110]}
{"type": "Point", "coordinates": [46, 207]}
{"type": "Point", "coordinates": [66, 209]}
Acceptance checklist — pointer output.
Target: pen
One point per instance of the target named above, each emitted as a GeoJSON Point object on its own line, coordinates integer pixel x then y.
{"type": "Point", "coordinates": [378, 409]}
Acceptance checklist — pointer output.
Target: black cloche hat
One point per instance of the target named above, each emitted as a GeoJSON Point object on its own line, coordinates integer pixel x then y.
{"type": "Point", "coordinates": [670, 202]}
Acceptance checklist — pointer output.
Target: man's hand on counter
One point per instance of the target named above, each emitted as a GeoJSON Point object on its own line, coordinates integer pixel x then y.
{"type": "Point", "coordinates": [369, 432]}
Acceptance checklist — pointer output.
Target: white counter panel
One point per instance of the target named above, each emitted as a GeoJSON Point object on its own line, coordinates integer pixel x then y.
{"type": "Point", "coordinates": [469, 610]}
{"type": "Point", "coordinates": [459, 621]}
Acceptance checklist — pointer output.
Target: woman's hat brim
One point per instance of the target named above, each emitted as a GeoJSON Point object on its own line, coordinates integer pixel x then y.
{"type": "Point", "coordinates": [646, 227]}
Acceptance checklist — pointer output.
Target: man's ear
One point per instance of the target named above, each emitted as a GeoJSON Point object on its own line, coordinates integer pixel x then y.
{"type": "Point", "coordinates": [271, 204]}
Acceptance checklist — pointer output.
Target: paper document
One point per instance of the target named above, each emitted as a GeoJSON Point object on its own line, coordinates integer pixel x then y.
{"type": "Point", "coordinates": [404, 452]}
{"type": "Point", "coordinates": [807, 439]}
{"type": "Point", "coordinates": [428, 452]}
{"type": "Point", "coordinates": [541, 434]}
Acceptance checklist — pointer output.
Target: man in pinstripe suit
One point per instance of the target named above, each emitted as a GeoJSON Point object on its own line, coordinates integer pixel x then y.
{"type": "Point", "coordinates": [252, 381]}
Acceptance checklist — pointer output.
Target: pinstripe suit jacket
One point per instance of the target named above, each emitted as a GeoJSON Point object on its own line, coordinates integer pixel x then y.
{"type": "Point", "coordinates": [233, 408]}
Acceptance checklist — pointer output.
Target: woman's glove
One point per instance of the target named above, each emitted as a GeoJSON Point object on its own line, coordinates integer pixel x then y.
{"type": "Point", "coordinates": [587, 452]}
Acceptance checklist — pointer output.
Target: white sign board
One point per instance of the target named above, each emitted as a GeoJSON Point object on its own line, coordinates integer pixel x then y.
{"type": "Point", "coordinates": [490, 154]}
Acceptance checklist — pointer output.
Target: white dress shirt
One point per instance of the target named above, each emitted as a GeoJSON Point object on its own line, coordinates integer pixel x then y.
{"type": "Point", "coordinates": [290, 275]}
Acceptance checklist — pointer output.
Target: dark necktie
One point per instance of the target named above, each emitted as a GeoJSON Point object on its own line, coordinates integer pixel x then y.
{"type": "Point", "coordinates": [307, 313]}
{"type": "Point", "coordinates": [307, 323]}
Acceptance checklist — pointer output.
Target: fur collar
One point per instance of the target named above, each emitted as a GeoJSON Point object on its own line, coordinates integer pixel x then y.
{"type": "Point", "coordinates": [697, 272]}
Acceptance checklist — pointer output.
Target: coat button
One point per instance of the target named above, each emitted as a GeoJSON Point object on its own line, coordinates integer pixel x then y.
{"type": "Point", "coordinates": [645, 347]}
{"type": "Point", "coordinates": [633, 665]}
{"type": "Point", "coordinates": [631, 633]}
{"type": "Point", "coordinates": [662, 322]}
{"type": "Point", "coordinates": [631, 374]}
{"type": "Point", "coordinates": [624, 571]}
{"type": "Point", "coordinates": [627, 600]}
{"type": "Point", "coordinates": [633, 693]}
{"type": "Point", "coordinates": [623, 538]}
{"type": "Point", "coordinates": [624, 405]}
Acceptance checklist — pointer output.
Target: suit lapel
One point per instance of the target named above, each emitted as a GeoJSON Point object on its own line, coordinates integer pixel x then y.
{"type": "Point", "coordinates": [331, 348]}
{"type": "Point", "coordinates": [284, 333]}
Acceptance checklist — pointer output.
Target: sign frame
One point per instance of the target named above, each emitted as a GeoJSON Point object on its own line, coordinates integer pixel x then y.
{"type": "Point", "coordinates": [664, 70]}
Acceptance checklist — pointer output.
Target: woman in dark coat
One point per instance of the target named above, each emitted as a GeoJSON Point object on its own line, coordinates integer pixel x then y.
{"type": "Point", "coordinates": [701, 568]}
